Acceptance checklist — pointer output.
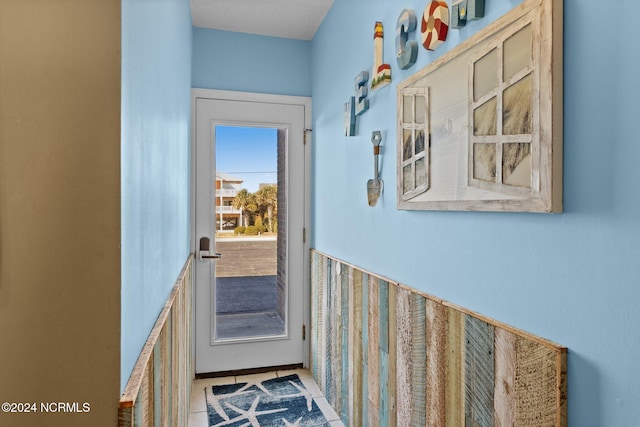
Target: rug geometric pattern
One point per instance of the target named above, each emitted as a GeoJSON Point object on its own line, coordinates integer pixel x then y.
{"type": "Point", "coordinates": [282, 401]}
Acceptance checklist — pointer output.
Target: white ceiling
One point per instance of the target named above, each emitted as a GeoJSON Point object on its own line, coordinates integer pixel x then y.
{"type": "Point", "coordinates": [293, 19]}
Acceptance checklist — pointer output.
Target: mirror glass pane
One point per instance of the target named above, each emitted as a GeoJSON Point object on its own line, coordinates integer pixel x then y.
{"type": "Point", "coordinates": [517, 52]}
{"type": "Point", "coordinates": [484, 162]}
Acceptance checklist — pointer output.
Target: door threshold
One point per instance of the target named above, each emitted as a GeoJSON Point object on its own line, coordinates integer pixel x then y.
{"type": "Point", "coordinates": [249, 371]}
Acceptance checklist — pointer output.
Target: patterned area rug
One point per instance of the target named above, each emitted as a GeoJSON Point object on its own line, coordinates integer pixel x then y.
{"type": "Point", "coordinates": [280, 401]}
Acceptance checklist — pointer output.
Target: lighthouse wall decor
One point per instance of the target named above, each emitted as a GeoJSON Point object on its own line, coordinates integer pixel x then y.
{"type": "Point", "coordinates": [381, 72]}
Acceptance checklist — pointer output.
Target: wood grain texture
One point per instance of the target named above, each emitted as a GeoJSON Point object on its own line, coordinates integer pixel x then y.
{"type": "Point", "coordinates": [393, 346]}
{"type": "Point", "coordinates": [147, 395]}
{"type": "Point", "coordinates": [403, 356]}
{"type": "Point", "coordinates": [158, 372]}
{"type": "Point", "coordinates": [138, 417]}
{"type": "Point", "coordinates": [126, 416]}
{"type": "Point", "coordinates": [338, 349]}
{"type": "Point", "coordinates": [357, 345]}
{"type": "Point", "coordinates": [345, 303]}
{"type": "Point", "coordinates": [383, 301]}
{"type": "Point", "coordinates": [418, 361]}
{"type": "Point", "coordinates": [323, 319]}
{"type": "Point", "coordinates": [535, 384]}
{"type": "Point", "coordinates": [374, 355]}
{"type": "Point", "coordinates": [364, 392]}
{"type": "Point", "coordinates": [504, 393]}
{"type": "Point", "coordinates": [321, 325]}
{"type": "Point", "coordinates": [334, 378]}
{"type": "Point", "coordinates": [479, 372]}
{"type": "Point", "coordinates": [455, 369]}
{"type": "Point", "coordinates": [561, 391]}
{"type": "Point", "coordinates": [328, 328]}
{"type": "Point", "coordinates": [351, 337]}
{"type": "Point", "coordinates": [160, 385]}
{"type": "Point", "coordinates": [166, 402]}
{"type": "Point", "coordinates": [175, 391]}
{"type": "Point", "coordinates": [313, 311]}
{"type": "Point", "coordinates": [436, 317]}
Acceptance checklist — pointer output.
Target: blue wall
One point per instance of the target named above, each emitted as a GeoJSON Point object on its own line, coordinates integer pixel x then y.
{"type": "Point", "coordinates": [156, 83]}
{"type": "Point", "coordinates": [249, 63]}
{"type": "Point", "coordinates": [574, 277]}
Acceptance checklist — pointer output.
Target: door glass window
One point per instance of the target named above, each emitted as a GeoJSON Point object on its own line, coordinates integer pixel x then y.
{"type": "Point", "coordinates": [250, 223]}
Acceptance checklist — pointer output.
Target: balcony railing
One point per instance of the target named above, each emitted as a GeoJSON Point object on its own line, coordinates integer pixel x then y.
{"type": "Point", "coordinates": [227, 210]}
{"type": "Point", "coordinates": [226, 193]}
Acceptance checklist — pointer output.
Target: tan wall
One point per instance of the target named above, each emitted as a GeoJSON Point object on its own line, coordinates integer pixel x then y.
{"type": "Point", "coordinates": [60, 208]}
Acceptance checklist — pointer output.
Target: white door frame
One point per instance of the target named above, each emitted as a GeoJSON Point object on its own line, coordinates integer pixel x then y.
{"type": "Point", "coordinates": [264, 98]}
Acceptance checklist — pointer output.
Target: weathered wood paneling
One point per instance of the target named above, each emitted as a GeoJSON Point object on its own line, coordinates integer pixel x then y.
{"type": "Point", "coordinates": [329, 325]}
{"type": "Point", "coordinates": [479, 372]}
{"type": "Point", "coordinates": [373, 358]}
{"type": "Point", "coordinates": [388, 355]}
{"type": "Point", "coordinates": [536, 383]}
{"type": "Point", "coordinates": [505, 345]}
{"type": "Point", "coordinates": [356, 351]}
{"type": "Point", "coordinates": [336, 339]}
{"type": "Point", "coordinates": [159, 388]}
{"type": "Point", "coordinates": [321, 322]}
{"type": "Point", "coordinates": [454, 401]}
{"type": "Point", "coordinates": [418, 361]}
{"type": "Point", "coordinates": [346, 344]}
{"type": "Point", "coordinates": [316, 315]}
{"type": "Point", "coordinates": [436, 315]}
{"type": "Point", "coordinates": [403, 356]}
{"type": "Point", "coordinates": [393, 351]}
{"type": "Point", "coordinates": [383, 321]}
{"type": "Point", "coordinates": [364, 393]}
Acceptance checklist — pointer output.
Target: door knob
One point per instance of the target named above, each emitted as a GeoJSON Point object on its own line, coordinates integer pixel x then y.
{"type": "Point", "coordinates": [203, 253]}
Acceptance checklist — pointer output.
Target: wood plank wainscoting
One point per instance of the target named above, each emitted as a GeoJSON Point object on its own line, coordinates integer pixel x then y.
{"type": "Point", "coordinates": [385, 354]}
{"type": "Point", "coordinates": [159, 388]}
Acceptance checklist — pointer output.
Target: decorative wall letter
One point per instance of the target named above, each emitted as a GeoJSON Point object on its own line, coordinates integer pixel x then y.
{"type": "Point", "coordinates": [475, 9]}
{"type": "Point", "coordinates": [356, 105]}
{"type": "Point", "coordinates": [406, 51]}
{"type": "Point", "coordinates": [362, 103]}
{"type": "Point", "coordinates": [435, 24]}
{"type": "Point", "coordinates": [350, 117]}
{"type": "Point", "coordinates": [466, 10]}
{"type": "Point", "coordinates": [381, 72]}
{"type": "Point", "coordinates": [459, 14]}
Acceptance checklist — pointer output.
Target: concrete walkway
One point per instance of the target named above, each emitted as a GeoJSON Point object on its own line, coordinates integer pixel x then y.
{"type": "Point", "coordinates": [252, 294]}
{"type": "Point", "coordinates": [246, 296]}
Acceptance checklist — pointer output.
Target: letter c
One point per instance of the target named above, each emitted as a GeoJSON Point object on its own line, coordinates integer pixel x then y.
{"type": "Point", "coordinates": [406, 51]}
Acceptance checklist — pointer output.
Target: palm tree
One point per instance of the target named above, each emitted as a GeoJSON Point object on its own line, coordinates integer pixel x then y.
{"type": "Point", "coordinates": [267, 197]}
{"type": "Point", "coordinates": [246, 202]}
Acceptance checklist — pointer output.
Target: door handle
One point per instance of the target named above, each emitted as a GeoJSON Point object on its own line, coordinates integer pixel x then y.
{"type": "Point", "coordinates": [203, 253]}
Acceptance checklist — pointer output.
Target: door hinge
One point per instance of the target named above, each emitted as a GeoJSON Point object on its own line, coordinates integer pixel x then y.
{"type": "Point", "coordinates": [304, 235]}
{"type": "Point", "coordinates": [304, 332]}
{"type": "Point", "coordinates": [304, 136]}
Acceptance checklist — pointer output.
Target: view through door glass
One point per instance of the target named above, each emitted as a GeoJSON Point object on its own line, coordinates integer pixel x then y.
{"type": "Point", "coordinates": [250, 224]}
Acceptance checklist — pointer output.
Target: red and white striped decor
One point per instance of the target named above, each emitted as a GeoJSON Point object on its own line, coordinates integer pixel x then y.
{"type": "Point", "coordinates": [435, 24]}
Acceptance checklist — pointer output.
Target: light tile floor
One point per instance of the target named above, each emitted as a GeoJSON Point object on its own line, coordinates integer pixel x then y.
{"type": "Point", "coordinates": [198, 414]}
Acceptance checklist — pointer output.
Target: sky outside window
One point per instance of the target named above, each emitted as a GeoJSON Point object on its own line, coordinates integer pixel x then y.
{"type": "Point", "coordinates": [249, 153]}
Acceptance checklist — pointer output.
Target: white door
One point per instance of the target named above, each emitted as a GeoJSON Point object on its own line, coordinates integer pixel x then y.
{"type": "Point", "coordinates": [250, 314]}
